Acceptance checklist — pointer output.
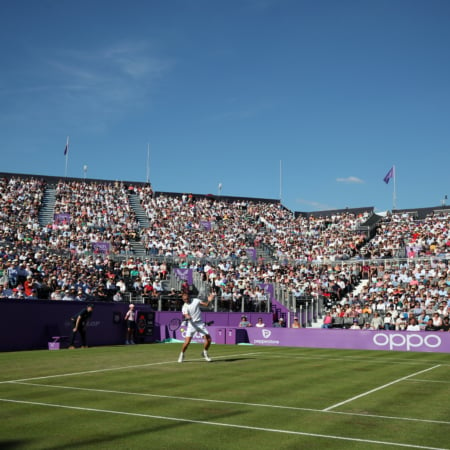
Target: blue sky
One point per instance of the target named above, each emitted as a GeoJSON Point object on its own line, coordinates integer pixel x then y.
{"type": "Point", "coordinates": [312, 101]}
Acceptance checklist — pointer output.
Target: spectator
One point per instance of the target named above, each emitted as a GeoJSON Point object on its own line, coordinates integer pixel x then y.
{"type": "Point", "coordinates": [279, 323]}
{"type": "Point", "coordinates": [377, 322]}
{"type": "Point", "coordinates": [260, 323]}
{"type": "Point", "coordinates": [244, 323]}
{"type": "Point", "coordinates": [445, 324]}
{"type": "Point", "coordinates": [413, 325]}
{"type": "Point", "coordinates": [327, 321]}
{"type": "Point", "coordinates": [437, 321]}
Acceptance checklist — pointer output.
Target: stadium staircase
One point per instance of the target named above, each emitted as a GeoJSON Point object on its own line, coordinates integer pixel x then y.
{"type": "Point", "coordinates": [138, 250]}
{"type": "Point", "coordinates": [47, 210]}
{"type": "Point", "coordinates": [136, 206]}
{"type": "Point", "coordinates": [137, 247]}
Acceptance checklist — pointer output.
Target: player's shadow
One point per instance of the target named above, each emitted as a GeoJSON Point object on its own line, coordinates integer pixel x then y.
{"type": "Point", "coordinates": [227, 360]}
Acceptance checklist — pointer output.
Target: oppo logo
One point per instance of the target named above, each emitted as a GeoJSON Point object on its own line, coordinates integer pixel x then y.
{"type": "Point", "coordinates": [196, 336]}
{"type": "Point", "coordinates": [408, 341]}
{"type": "Point", "coordinates": [266, 333]}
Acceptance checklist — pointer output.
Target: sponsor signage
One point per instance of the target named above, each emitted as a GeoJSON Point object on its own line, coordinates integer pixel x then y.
{"type": "Point", "coordinates": [185, 275]}
{"type": "Point", "coordinates": [352, 339]}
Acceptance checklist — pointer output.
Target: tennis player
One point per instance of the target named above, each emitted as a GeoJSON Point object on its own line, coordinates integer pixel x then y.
{"type": "Point", "coordinates": [193, 316]}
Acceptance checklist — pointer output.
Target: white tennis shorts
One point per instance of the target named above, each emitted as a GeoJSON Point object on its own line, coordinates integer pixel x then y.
{"type": "Point", "coordinates": [196, 327]}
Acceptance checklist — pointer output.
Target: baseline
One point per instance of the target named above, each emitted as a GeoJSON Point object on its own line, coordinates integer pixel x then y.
{"type": "Point", "coordinates": [229, 402]}
{"type": "Point", "coordinates": [228, 425]}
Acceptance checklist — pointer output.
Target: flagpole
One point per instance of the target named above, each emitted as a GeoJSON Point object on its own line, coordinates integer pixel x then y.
{"type": "Point", "coordinates": [280, 182]}
{"type": "Point", "coordinates": [148, 163]}
{"type": "Point", "coordinates": [67, 156]}
{"type": "Point", "coordinates": [394, 194]}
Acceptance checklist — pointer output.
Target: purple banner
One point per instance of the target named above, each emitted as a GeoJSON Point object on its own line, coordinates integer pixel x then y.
{"type": "Point", "coordinates": [185, 275]}
{"type": "Point", "coordinates": [206, 225]}
{"type": "Point", "coordinates": [268, 288]}
{"type": "Point", "coordinates": [61, 218]}
{"type": "Point", "coordinates": [422, 341]}
{"type": "Point", "coordinates": [100, 247]}
{"type": "Point", "coordinates": [251, 253]}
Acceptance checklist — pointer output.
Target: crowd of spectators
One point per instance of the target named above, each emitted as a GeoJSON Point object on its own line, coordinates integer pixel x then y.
{"type": "Point", "coordinates": [20, 200]}
{"type": "Point", "coordinates": [90, 216]}
{"type": "Point", "coordinates": [403, 235]}
{"type": "Point", "coordinates": [237, 248]}
{"type": "Point", "coordinates": [412, 296]}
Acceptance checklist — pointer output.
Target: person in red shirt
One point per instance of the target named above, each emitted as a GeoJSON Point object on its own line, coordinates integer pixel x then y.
{"type": "Point", "coordinates": [28, 286]}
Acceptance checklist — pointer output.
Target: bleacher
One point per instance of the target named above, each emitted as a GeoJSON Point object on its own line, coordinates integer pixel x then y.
{"type": "Point", "coordinates": [89, 234]}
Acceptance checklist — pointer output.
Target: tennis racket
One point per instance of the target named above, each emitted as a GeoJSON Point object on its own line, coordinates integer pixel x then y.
{"type": "Point", "coordinates": [174, 324]}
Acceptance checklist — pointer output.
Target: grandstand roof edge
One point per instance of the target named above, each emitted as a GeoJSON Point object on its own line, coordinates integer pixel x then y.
{"type": "Point", "coordinates": [56, 179]}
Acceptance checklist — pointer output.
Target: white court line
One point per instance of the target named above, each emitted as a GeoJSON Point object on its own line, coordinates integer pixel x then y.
{"type": "Point", "coordinates": [379, 388]}
{"type": "Point", "coordinates": [122, 368]}
{"type": "Point", "coordinates": [353, 358]}
{"type": "Point", "coordinates": [419, 380]}
{"type": "Point", "coordinates": [228, 425]}
{"type": "Point", "coordinates": [229, 402]}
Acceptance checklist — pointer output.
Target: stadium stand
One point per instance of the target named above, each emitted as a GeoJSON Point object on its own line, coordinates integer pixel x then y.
{"type": "Point", "coordinates": [111, 241]}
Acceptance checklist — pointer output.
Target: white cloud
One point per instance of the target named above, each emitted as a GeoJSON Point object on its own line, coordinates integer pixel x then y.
{"type": "Point", "coordinates": [350, 180]}
{"type": "Point", "coordinates": [90, 87]}
{"type": "Point", "coordinates": [317, 205]}
{"type": "Point", "coordinates": [135, 59]}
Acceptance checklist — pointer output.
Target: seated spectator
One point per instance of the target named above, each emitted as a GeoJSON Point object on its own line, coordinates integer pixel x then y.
{"type": "Point", "coordinates": [117, 297]}
{"type": "Point", "coordinates": [355, 325]}
{"type": "Point", "coordinates": [389, 323]}
{"type": "Point", "coordinates": [81, 296]}
{"type": "Point", "coordinates": [33, 295]}
{"type": "Point", "coordinates": [377, 322]}
{"type": "Point", "coordinates": [296, 323]}
{"type": "Point", "coordinates": [244, 323]}
{"type": "Point", "coordinates": [69, 294]}
{"type": "Point", "coordinates": [429, 326]}
{"type": "Point", "coordinates": [423, 319]}
{"type": "Point", "coordinates": [437, 321]}
{"type": "Point", "coordinates": [260, 323]}
{"type": "Point", "coordinates": [56, 294]}
{"type": "Point", "coordinates": [400, 323]}
{"type": "Point", "coordinates": [7, 291]}
{"type": "Point", "coordinates": [445, 324]}
{"type": "Point", "coordinates": [413, 325]}
{"type": "Point", "coordinates": [280, 323]}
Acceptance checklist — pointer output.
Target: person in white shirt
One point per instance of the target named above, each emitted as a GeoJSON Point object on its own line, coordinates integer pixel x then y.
{"type": "Point", "coordinates": [130, 320]}
{"type": "Point", "coordinates": [413, 325]}
{"type": "Point", "coordinates": [260, 323]}
{"type": "Point", "coordinates": [193, 315]}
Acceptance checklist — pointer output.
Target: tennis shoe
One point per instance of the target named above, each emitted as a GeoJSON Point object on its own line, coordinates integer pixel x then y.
{"type": "Point", "coordinates": [181, 358]}
{"type": "Point", "coordinates": [205, 355]}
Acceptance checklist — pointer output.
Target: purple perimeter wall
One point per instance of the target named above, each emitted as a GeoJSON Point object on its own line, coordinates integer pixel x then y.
{"type": "Point", "coordinates": [29, 324]}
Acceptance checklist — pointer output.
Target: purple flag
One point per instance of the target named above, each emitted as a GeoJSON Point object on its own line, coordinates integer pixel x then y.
{"type": "Point", "coordinates": [389, 175]}
{"type": "Point", "coordinates": [66, 149]}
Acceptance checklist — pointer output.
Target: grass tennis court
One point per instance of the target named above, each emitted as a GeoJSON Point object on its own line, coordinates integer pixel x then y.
{"type": "Point", "coordinates": [139, 397]}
